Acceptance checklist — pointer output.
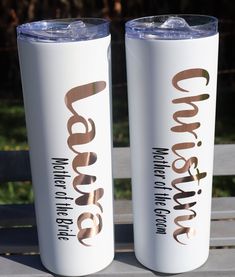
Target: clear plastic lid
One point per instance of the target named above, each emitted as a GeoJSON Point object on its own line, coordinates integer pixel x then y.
{"type": "Point", "coordinates": [64, 30]}
{"type": "Point", "coordinates": [172, 27]}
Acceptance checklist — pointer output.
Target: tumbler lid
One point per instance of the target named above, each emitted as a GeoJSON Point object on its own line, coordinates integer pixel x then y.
{"type": "Point", "coordinates": [64, 30]}
{"type": "Point", "coordinates": [172, 27]}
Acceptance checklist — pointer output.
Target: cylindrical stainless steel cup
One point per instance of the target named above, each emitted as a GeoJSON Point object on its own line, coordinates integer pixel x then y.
{"type": "Point", "coordinates": [172, 75]}
{"type": "Point", "coordinates": [65, 70]}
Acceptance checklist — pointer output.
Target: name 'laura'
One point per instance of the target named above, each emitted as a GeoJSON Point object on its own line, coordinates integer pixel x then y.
{"type": "Point", "coordinates": [89, 223]}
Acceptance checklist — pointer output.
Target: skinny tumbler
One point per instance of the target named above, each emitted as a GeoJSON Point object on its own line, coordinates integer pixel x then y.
{"type": "Point", "coordinates": [172, 75]}
{"type": "Point", "coordinates": [65, 71]}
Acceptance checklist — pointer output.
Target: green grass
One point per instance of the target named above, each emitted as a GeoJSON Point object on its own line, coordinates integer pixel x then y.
{"type": "Point", "coordinates": [13, 137]}
{"type": "Point", "coordinates": [16, 193]}
{"type": "Point", "coordinates": [223, 186]}
{"type": "Point", "coordinates": [12, 126]}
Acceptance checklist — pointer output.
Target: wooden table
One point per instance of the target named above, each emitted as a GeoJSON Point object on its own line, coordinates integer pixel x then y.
{"type": "Point", "coordinates": [18, 235]}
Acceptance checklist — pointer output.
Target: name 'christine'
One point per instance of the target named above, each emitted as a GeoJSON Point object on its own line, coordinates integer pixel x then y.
{"type": "Point", "coordinates": [187, 168]}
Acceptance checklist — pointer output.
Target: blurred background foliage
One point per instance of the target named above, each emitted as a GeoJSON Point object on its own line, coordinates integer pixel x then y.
{"type": "Point", "coordinates": [12, 120]}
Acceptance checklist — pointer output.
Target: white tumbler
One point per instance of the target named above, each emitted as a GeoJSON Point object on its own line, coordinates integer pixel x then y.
{"type": "Point", "coordinates": [65, 71]}
{"type": "Point", "coordinates": [172, 75]}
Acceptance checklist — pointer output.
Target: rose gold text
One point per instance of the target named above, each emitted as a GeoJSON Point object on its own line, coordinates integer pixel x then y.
{"type": "Point", "coordinates": [89, 223]}
{"type": "Point", "coordinates": [189, 167]}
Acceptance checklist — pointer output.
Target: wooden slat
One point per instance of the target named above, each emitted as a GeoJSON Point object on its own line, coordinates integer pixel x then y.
{"type": "Point", "coordinates": [223, 208]}
{"type": "Point", "coordinates": [24, 214]}
{"type": "Point", "coordinates": [21, 215]}
{"type": "Point", "coordinates": [220, 263]}
{"type": "Point", "coordinates": [25, 266]}
{"type": "Point", "coordinates": [15, 166]}
{"type": "Point", "coordinates": [224, 159]}
{"type": "Point", "coordinates": [17, 215]}
{"type": "Point", "coordinates": [121, 162]}
{"type": "Point", "coordinates": [222, 233]}
{"type": "Point", "coordinates": [24, 239]}
{"type": "Point", "coordinates": [18, 240]}
{"type": "Point", "coordinates": [123, 212]}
